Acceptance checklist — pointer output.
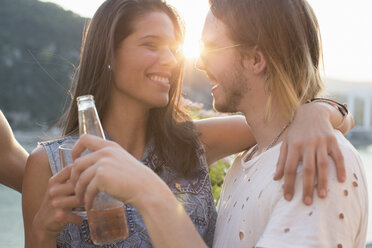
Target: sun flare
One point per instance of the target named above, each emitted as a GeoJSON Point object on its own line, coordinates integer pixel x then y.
{"type": "Point", "coordinates": [193, 12]}
{"type": "Point", "coordinates": [191, 48]}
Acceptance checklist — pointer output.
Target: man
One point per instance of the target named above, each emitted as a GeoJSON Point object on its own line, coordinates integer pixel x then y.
{"type": "Point", "coordinates": [262, 56]}
{"type": "Point", "coordinates": [12, 157]}
{"type": "Point", "coordinates": [269, 67]}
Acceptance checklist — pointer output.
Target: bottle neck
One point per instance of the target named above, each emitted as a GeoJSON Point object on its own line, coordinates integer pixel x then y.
{"type": "Point", "coordinates": [89, 122]}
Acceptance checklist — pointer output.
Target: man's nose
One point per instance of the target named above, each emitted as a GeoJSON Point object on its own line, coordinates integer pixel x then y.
{"type": "Point", "coordinates": [199, 64]}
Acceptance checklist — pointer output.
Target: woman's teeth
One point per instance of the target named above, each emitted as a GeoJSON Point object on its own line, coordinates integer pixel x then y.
{"type": "Point", "coordinates": [160, 79]}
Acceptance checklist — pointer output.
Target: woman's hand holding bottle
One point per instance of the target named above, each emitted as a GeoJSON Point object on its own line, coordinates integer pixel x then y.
{"type": "Point", "coordinates": [56, 209]}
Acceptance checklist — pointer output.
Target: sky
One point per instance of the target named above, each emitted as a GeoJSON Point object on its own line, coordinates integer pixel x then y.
{"type": "Point", "coordinates": [346, 28]}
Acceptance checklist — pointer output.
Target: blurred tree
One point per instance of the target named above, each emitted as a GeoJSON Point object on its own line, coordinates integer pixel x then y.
{"type": "Point", "coordinates": [39, 48]}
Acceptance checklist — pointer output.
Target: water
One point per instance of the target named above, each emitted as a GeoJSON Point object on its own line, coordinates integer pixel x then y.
{"type": "Point", "coordinates": [366, 155]}
{"type": "Point", "coordinates": [11, 222]}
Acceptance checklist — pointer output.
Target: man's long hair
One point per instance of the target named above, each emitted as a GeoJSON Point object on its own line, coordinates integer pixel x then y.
{"type": "Point", "coordinates": [287, 33]}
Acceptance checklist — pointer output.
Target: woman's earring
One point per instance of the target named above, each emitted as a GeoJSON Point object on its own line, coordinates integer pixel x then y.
{"type": "Point", "coordinates": [109, 67]}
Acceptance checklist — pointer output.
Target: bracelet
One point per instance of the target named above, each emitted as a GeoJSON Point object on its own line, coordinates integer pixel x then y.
{"type": "Point", "coordinates": [341, 107]}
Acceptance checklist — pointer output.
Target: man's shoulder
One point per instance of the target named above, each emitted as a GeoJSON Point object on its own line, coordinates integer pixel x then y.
{"type": "Point", "coordinates": [355, 185]}
{"type": "Point", "coordinates": [238, 160]}
{"type": "Point", "coordinates": [351, 155]}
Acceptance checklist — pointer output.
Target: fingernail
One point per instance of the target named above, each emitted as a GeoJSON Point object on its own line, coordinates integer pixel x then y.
{"type": "Point", "coordinates": [343, 178]}
{"type": "Point", "coordinates": [288, 196]}
{"type": "Point", "coordinates": [322, 193]}
{"type": "Point", "coordinates": [308, 200]}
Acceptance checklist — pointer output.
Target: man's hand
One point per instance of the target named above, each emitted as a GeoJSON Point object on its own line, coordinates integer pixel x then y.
{"type": "Point", "coordinates": [110, 169]}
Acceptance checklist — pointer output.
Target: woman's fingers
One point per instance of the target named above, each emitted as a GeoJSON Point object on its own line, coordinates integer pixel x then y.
{"type": "Point", "coordinates": [308, 169]}
{"type": "Point", "coordinates": [322, 168]}
{"type": "Point", "coordinates": [290, 172]}
{"type": "Point", "coordinates": [338, 158]}
{"type": "Point", "coordinates": [281, 161]}
{"type": "Point", "coordinates": [66, 202]}
{"type": "Point", "coordinates": [63, 217]}
{"type": "Point", "coordinates": [61, 177]}
{"type": "Point", "coordinates": [61, 190]}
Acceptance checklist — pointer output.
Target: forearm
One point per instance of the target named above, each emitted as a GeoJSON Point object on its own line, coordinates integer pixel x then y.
{"type": "Point", "coordinates": [13, 157]}
{"type": "Point", "coordinates": [167, 223]}
{"type": "Point", "coordinates": [13, 167]}
{"type": "Point", "coordinates": [232, 130]}
{"type": "Point", "coordinates": [342, 123]}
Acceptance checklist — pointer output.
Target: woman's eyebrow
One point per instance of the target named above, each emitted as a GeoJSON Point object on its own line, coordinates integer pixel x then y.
{"type": "Point", "coordinates": [157, 37]}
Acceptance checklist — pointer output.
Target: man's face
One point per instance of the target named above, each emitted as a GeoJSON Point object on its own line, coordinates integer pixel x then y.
{"type": "Point", "coordinates": [220, 60]}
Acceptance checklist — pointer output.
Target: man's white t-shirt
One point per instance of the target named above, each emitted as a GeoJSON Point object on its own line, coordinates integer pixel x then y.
{"type": "Point", "coordinates": [252, 211]}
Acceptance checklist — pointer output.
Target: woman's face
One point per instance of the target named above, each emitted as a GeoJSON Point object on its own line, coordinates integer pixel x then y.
{"type": "Point", "coordinates": [145, 60]}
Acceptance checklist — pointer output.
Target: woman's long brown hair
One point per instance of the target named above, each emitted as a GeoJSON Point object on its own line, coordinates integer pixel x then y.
{"type": "Point", "coordinates": [173, 133]}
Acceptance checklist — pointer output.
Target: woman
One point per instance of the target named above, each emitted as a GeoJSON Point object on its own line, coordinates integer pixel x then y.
{"type": "Point", "coordinates": [130, 63]}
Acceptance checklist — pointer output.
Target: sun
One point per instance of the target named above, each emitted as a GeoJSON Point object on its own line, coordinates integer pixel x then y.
{"type": "Point", "coordinates": [191, 47]}
{"type": "Point", "coordinates": [194, 13]}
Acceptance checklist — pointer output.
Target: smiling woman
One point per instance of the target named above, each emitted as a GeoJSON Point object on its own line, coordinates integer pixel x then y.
{"type": "Point", "coordinates": [131, 65]}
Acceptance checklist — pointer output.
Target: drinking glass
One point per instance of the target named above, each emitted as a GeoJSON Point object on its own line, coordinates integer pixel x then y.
{"type": "Point", "coordinates": [65, 156]}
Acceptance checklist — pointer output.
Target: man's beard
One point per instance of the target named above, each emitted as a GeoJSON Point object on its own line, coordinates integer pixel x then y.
{"type": "Point", "coordinates": [234, 86]}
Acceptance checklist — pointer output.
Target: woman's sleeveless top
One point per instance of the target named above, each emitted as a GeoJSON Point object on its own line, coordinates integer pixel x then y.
{"type": "Point", "coordinates": [195, 194]}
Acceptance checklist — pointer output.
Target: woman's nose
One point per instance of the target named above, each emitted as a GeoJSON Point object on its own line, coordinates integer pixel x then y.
{"type": "Point", "coordinates": [169, 58]}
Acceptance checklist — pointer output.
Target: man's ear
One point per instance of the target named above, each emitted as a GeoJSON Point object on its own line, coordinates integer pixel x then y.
{"type": "Point", "coordinates": [255, 61]}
